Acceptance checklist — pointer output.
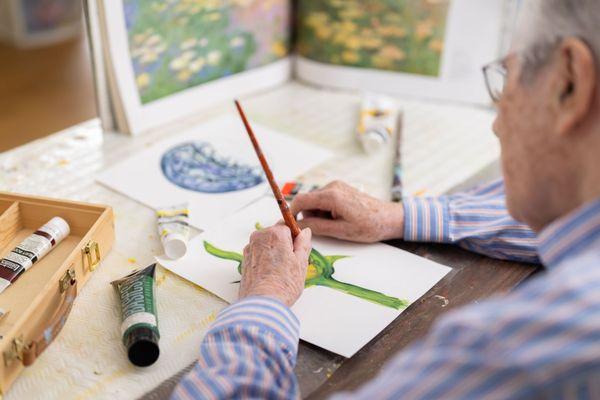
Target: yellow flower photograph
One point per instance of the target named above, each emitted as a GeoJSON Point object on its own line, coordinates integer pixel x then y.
{"type": "Point", "coordinates": [396, 35]}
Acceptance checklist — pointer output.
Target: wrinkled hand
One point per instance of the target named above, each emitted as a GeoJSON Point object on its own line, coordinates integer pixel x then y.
{"type": "Point", "coordinates": [340, 211]}
{"type": "Point", "coordinates": [275, 265]}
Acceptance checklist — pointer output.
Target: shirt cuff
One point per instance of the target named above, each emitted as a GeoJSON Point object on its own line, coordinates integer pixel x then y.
{"type": "Point", "coordinates": [426, 220]}
{"type": "Point", "coordinates": [266, 314]}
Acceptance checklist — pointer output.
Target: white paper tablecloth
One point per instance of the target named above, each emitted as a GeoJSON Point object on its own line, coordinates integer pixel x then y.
{"type": "Point", "coordinates": [87, 360]}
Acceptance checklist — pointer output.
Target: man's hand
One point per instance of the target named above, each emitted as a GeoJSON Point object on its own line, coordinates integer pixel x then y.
{"type": "Point", "coordinates": [274, 265]}
{"type": "Point", "coordinates": [340, 211]}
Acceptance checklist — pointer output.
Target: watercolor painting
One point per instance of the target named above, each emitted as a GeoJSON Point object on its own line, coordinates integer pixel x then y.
{"type": "Point", "coordinates": [320, 273]}
{"type": "Point", "coordinates": [180, 44]}
{"type": "Point", "coordinates": [352, 291]}
{"type": "Point", "coordinates": [44, 15]}
{"type": "Point", "coordinates": [395, 35]}
{"type": "Point", "coordinates": [197, 166]}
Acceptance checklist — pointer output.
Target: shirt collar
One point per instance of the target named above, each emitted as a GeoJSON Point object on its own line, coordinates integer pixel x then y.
{"type": "Point", "coordinates": [570, 235]}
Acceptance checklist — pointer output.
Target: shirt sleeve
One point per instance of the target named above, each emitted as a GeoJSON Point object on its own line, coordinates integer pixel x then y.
{"type": "Point", "coordinates": [476, 220]}
{"type": "Point", "coordinates": [509, 347]}
{"type": "Point", "coordinates": [249, 352]}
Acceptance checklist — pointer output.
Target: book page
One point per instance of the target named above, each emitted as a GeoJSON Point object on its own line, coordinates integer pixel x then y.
{"type": "Point", "coordinates": [429, 49]}
{"type": "Point", "coordinates": [171, 59]}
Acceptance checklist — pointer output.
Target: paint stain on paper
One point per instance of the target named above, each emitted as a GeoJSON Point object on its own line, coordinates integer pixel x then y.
{"type": "Point", "coordinates": [160, 279]}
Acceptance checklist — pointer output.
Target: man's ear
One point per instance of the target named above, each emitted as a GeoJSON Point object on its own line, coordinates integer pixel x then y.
{"type": "Point", "coordinates": [577, 84]}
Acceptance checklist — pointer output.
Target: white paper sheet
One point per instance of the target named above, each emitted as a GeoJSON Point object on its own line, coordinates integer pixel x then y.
{"type": "Point", "coordinates": [330, 319]}
{"type": "Point", "coordinates": [141, 177]}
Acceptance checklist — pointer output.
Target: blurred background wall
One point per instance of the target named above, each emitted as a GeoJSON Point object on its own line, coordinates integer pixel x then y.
{"type": "Point", "coordinates": [45, 73]}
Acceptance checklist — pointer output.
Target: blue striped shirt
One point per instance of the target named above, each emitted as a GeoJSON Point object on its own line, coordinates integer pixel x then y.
{"type": "Point", "coordinates": [542, 340]}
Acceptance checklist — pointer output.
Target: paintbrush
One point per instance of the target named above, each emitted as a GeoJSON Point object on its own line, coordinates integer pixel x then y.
{"type": "Point", "coordinates": [289, 219]}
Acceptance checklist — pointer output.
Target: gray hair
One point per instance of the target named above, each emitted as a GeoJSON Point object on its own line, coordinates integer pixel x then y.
{"type": "Point", "coordinates": [543, 23]}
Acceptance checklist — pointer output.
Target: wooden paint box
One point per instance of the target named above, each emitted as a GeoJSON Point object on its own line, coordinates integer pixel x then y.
{"type": "Point", "coordinates": [38, 303]}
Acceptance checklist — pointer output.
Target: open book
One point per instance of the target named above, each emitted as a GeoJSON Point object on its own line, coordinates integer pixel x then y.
{"type": "Point", "coordinates": [158, 61]}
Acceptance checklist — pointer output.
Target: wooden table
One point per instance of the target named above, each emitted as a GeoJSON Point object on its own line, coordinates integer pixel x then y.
{"type": "Point", "coordinates": [64, 166]}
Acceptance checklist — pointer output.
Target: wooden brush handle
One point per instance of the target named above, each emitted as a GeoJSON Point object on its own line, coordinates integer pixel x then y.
{"type": "Point", "coordinates": [289, 219]}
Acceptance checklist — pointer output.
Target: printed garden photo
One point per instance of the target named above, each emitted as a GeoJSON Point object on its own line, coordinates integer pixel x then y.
{"type": "Point", "coordinates": [394, 35]}
{"type": "Point", "coordinates": [179, 44]}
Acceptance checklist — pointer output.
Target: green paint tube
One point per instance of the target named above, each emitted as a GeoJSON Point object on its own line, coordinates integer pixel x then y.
{"type": "Point", "coordinates": [139, 328]}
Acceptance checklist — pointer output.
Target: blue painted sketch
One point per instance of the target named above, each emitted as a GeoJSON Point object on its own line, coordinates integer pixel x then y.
{"type": "Point", "coordinates": [197, 166]}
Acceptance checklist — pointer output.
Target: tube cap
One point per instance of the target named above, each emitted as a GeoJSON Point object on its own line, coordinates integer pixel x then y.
{"type": "Point", "coordinates": [61, 226]}
{"type": "Point", "coordinates": [175, 246]}
{"type": "Point", "coordinates": [142, 346]}
{"type": "Point", "coordinates": [373, 141]}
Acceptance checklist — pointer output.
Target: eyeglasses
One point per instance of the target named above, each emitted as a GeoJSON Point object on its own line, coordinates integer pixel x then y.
{"type": "Point", "coordinates": [495, 75]}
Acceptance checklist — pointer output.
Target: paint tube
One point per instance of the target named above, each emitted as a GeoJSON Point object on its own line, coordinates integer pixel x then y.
{"type": "Point", "coordinates": [291, 189]}
{"type": "Point", "coordinates": [32, 249]}
{"type": "Point", "coordinates": [377, 122]}
{"type": "Point", "coordinates": [139, 327]}
{"type": "Point", "coordinates": [174, 230]}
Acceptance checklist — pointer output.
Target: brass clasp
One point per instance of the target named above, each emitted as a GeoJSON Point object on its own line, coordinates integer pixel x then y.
{"type": "Point", "coordinates": [66, 280]}
{"type": "Point", "coordinates": [86, 255]}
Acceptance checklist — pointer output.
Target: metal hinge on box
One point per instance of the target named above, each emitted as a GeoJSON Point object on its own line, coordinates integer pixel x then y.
{"type": "Point", "coordinates": [15, 352]}
{"type": "Point", "coordinates": [66, 280]}
{"type": "Point", "coordinates": [91, 249]}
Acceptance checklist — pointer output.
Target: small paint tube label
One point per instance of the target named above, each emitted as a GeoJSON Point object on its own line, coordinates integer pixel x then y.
{"type": "Point", "coordinates": [174, 230]}
{"type": "Point", "coordinates": [377, 122]}
{"type": "Point", "coordinates": [291, 189]}
{"type": "Point", "coordinates": [139, 327]}
{"type": "Point", "coordinates": [32, 249]}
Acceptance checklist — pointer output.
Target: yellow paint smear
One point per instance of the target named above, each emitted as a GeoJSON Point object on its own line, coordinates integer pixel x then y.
{"type": "Point", "coordinates": [203, 323]}
{"type": "Point", "coordinates": [160, 279]}
{"type": "Point", "coordinates": [99, 386]}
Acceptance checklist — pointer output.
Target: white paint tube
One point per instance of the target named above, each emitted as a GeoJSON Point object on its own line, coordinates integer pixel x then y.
{"type": "Point", "coordinates": [32, 249]}
{"type": "Point", "coordinates": [174, 229]}
{"type": "Point", "coordinates": [377, 122]}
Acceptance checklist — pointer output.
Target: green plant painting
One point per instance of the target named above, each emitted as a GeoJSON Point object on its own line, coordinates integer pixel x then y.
{"type": "Point", "coordinates": [395, 35]}
{"type": "Point", "coordinates": [179, 44]}
{"type": "Point", "coordinates": [320, 273]}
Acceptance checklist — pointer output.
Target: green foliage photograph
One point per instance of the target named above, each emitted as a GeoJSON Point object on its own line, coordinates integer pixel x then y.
{"type": "Point", "coordinates": [179, 44]}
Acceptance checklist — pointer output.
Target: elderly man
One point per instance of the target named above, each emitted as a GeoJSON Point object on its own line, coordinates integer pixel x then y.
{"type": "Point", "coordinates": [543, 339]}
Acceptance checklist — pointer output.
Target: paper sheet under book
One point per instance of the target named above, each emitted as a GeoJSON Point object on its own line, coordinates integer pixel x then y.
{"type": "Point", "coordinates": [369, 287]}
{"type": "Point", "coordinates": [213, 167]}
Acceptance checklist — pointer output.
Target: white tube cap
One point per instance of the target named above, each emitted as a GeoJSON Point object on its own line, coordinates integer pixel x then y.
{"type": "Point", "coordinates": [175, 245]}
{"type": "Point", "coordinates": [373, 141]}
{"type": "Point", "coordinates": [61, 226]}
